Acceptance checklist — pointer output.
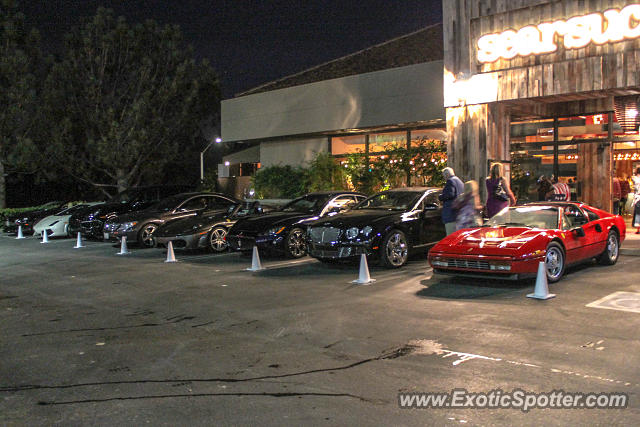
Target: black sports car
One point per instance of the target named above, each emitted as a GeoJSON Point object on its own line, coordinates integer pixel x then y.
{"type": "Point", "coordinates": [283, 231]}
{"type": "Point", "coordinates": [387, 226]}
{"type": "Point", "coordinates": [28, 219]}
{"type": "Point", "coordinates": [90, 222]}
{"type": "Point", "coordinates": [205, 230]}
{"type": "Point", "coordinates": [140, 226]}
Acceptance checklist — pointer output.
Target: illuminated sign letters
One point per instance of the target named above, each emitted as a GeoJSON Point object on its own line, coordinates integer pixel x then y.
{"type": "Point", "coordinates": [613, 25]}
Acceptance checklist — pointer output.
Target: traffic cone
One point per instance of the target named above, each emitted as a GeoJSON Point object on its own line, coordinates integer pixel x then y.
{"type": "Point", "coordinates": [123, 246]}
{"type": "Point", "coordinates": [255, 261]}
{"type": "Point", "coordinates": [20, 236]}
{"type": "Point", "coordinates": [541, 290]}
{"type": "Point", "coordinates": [170, 255]}
{"type": "Point", "coordinates": [364, 278]}
{"type": "Point", "coordinates": [78, 242]}
{"type": "Point", "coordinates": [45, 237]}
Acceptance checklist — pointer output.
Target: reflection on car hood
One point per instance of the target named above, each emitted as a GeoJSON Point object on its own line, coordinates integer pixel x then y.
{"type": "Point", "coordinates": [491, 240]}
{"type": "Point", "coordinates": [357, 218]}
{"type": "Point", "coordinates": [192, 225]}
{"type": "Point", "coordinates": [258, 223]}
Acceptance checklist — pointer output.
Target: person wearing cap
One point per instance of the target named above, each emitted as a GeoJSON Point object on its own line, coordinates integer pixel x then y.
{"type": "Point", "coordinates": [452, 189]}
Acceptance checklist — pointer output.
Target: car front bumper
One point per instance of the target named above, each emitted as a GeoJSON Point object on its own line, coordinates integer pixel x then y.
{"type": "Point", "coordinates": [245, 242]}
{"type": "Point", "coordinates": [485, 266]}
{"type": "Point", "coordinates": [190, 241]}
{"type": "Point", "coordinates": [339, 250]}
{"type": "Point", "coordinates": [90, 228]}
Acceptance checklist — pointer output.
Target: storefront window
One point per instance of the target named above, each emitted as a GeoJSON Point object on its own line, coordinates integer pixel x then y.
{"type": "Point", "coordinates": [347, 144]}
{"type": "Point", "coordinates": [386, 141]}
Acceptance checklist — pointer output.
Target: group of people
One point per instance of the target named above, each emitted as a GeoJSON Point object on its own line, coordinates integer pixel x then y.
{"type": "Point", "coordinates": [462, 207]}
{"type": "Point", "coordinates": [461, 201]}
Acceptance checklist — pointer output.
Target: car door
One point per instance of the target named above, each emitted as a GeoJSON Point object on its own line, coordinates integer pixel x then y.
{"type": "Point", "coordinates": [596, 234]}
{"type": "Point", "coordinates": [431, 226]}
{"type": "Point", "coordinates": [576, 244]}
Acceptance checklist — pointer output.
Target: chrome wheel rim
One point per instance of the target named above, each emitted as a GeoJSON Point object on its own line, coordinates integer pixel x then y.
{"type": "Point", "coordinates": [296, 244]}
{"type": "Point", "coordinates": [147, 235]}
{"type": "Point", "coordinates": [397, 250]}
{"type": "Point", "coordinates": [612, 247]}
{"type": "Point", "coordinates": [554, 261]}
{"type": "Point", "coordinates": [217, 241]}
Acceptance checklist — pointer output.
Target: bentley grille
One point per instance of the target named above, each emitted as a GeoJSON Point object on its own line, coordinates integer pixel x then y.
{"type": "Point", "coordinates": [323, 235]}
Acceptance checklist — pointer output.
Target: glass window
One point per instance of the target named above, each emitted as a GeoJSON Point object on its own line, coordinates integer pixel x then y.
{"type": "Point", "coordinates": [391, 200]}
{"type": "Point", "coordinates": [347, 144]}
{"type": "Point", "coordinates": [592, 215]}
{"type": "Point", "coordinates": [573, 217]}
{"type": "Point", "coordinates": [214, 202]}
{"type": "Point", "coordinates": [384, 141]}
{"type": "Point", "coordinates": [193, 204]}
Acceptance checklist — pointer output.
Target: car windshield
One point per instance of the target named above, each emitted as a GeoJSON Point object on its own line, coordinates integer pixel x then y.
{"type": "Point", "coordinates": [168, 204]}
{"type": "Point", "coordinates": [391, 200]}
{"type": "Point", "coordinates": [71, 210]}
{"type": "Point", "coordinates": [526, 216]}
{"type": "Point", "coordinates": [307, 204]}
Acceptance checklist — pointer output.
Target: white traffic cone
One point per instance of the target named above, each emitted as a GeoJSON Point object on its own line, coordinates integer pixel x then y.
{"type": "Point", "coordinates": [45, 237]}
{"type": "Point", "coordinates": [170, 255]}
{"type": "Point", "coordinates": [20, 236]}
{"type": "Point", "coordinates": [78, 242]}
{"type": "Point", "coordinates": [364, 278]}
{"type": "Point", "coordinates": [123, 247]}
{"type": "Point", "coordinates": [255, 261]}
{"type": "Point", "coordinates": [541, 290]}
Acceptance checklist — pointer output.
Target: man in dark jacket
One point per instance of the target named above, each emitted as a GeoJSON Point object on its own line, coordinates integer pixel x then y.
{"type": "Point", "coordinates": [452, 189]}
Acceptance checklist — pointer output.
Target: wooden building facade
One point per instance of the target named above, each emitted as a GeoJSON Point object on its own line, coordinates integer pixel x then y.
{"type": "Point", "coordinates": [547, 88]}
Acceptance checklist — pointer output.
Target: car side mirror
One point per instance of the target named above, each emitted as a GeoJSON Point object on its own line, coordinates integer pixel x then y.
{"type": "Point", "coordinates": [578, 231]}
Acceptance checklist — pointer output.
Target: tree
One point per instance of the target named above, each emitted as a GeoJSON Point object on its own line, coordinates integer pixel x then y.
{"type": "Point", "coordinates": [19, 63]}
{"type": "Point", "coordinates": [127, 101]}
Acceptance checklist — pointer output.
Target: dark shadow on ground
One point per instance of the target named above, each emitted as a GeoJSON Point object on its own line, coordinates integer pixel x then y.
{"type": "Point", "coordinates": [453, 287]}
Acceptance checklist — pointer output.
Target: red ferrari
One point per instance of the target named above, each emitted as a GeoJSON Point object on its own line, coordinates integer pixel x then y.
{"type": "Point", "coordinates": [511, 244]}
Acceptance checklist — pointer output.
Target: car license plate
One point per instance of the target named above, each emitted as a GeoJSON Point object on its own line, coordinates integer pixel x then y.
{"type": "Point", "coordinates": [106, 236]}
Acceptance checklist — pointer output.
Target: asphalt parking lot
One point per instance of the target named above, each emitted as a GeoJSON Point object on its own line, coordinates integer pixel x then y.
{"type": "Point", "coordinates": [90, 337]}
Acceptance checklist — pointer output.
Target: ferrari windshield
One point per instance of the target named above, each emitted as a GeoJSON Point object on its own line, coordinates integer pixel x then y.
{"type": "Point", "coordinates": [311, 203]}
{"type": "Point", "coordinates": [526, 216]}
{"type": "Point", "coordinates": [391, 200]}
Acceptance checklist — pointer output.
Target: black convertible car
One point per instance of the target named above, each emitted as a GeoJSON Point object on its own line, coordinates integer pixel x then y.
{"type": "Point", "coordinates": [140, 226]}
{"type": "Point", "coordinates": [283, 231]}
{"type": "Point", "coordinates": [205, 230]}
{"type": "Point", "coordinates": [387, 226]}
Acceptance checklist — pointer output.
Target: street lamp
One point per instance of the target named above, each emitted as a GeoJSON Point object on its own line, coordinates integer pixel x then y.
{"type": "Point", "coordinates": [218, 140]}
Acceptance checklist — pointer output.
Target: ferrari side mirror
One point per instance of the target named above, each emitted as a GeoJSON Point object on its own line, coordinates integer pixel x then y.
{"type": "Point", "coordinates": [579, 231]}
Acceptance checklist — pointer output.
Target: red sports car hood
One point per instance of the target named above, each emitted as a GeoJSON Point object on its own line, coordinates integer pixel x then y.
{"type": "Point", "coordinates": [489, 240]}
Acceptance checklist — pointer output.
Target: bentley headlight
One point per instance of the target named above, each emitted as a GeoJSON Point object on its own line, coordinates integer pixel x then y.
{"type": "Point", "coordinates": [274, 231]}
{"type": "Point", "coordinates": [352, 232]}
{"type": "Point", "coordinates": [127, 226]}
{"type": "Point", "coordinates": [367, 230]}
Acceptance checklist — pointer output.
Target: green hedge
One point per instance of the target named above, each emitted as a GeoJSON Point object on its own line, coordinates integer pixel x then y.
{"type": "Point", "coordinates": [9, 212]}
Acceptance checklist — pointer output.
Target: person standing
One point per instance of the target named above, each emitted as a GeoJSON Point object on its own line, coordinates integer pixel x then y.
{"type": "Point", "coordinates": [636, 200]}
{"type": "Point", "coordinates": [452, 189]}
{"type": "Point", "coordinates": [499, 195]}
{"type": "Point", "coordinates": [617, 195]}
{"type": "Point", "coordinates": [468, 207]}
{"type": "Point", "coordinates": [559, 191]}
{"type": "Point", "coordinates": [625, 189]}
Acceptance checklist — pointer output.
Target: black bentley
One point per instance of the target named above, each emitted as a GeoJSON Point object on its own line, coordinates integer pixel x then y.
{"type": "Point", "coordinates": [283, 231]}
{"type": "Point", "coordinates": [387, 226]}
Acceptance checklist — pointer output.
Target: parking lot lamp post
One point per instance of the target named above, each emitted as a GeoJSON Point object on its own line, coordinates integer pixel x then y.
{"type": "Point", "coordinates": [218, 140]}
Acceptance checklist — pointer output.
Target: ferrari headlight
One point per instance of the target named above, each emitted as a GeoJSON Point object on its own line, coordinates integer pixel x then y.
{"type": "Point", "coordinates": [274, 231]}
{"type": "Point", "coordinates": [367, 230]}
{"type": "Point", "coordinates": [352, 232]}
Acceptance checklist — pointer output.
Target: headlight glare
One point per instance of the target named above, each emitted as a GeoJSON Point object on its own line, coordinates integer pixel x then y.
{"type": "Point", "coordinates": [367, 230]}
{"type": "Point", "coordinates": [352, 232]}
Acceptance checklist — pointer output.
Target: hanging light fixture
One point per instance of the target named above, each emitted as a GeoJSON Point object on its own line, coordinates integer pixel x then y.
{"type": "Point", "coordinates": [626, 108]}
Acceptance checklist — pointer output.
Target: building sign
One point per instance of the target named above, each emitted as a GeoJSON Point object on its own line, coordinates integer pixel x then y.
{"type": "Point", "coordinates": [613, 25]}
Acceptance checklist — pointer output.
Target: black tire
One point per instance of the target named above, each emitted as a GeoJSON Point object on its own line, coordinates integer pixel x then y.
{"type": "Point", "coordinates": [554, 262]}
{"type": "Point", "coordinates": [611, 252]}
{"type": "Point", "coordinates": [217, 244]}
{"type": "Point", "coordinates": [394, 250]}
{"type": "Point", "coordinates": [145, 235]}
{"type": "Point", "coordinates": [295, 245]}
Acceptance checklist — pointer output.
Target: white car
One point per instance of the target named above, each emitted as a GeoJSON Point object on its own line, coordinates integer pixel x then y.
{"type": "Point", "coordinates": [58, 225]}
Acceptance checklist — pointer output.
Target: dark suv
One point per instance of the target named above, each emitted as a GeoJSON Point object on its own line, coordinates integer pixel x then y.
{"type": "Point", "coordinates": [139, 226]}
{"type": "Point", "coordinates": [90, 221]}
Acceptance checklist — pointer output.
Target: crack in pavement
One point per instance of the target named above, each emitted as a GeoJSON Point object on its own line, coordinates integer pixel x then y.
{"type": "Point", "coordinates": [178, 319]}
{"type": "Point", "coordinates": [172, 396]}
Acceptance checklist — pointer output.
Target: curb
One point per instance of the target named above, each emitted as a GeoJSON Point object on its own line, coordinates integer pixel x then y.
{"type": "Point", "coordinates": [630, 252]}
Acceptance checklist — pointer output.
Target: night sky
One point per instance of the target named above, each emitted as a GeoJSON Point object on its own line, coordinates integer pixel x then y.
{"type": "Point", "coordinates": [253, 42]}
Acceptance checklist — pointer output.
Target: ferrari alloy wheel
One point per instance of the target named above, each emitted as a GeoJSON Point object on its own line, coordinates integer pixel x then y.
{"type": "Point", "coordinates": [394, 250]}
{"type": "Point", "coordinates": [295, 245]}
{"type": "Point", "coordinates": [610, 254]}
{"type": "Point", "coordinates": [554, 262]}
{"type": "Point", "coordinates": [216, 239]}
{"type": "Point", "coordinates": [145, 237]}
